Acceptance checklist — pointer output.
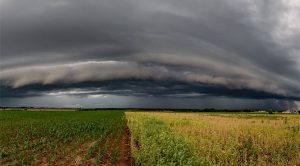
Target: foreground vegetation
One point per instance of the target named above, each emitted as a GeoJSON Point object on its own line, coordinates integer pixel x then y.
{"type": "Point", "coordinates": [61, 138]}
{"type": "Point", "coordinates": [220, 138]}
{"type": "Point", "coordinates": [56, 137]}
{"type": "Point", "coordinates": [153, 143]}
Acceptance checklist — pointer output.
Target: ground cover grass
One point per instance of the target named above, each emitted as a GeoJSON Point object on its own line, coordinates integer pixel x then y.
{"type": "Point", "coordinates": [153, 143]}
{"type": "Point", "coordinates": [30, 137]}
{"type": "Point", "coordinates": [236, 139]}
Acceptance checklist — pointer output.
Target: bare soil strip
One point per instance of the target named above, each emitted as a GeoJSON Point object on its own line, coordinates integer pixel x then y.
{"type": "Point", "coordinates": [125, 158]}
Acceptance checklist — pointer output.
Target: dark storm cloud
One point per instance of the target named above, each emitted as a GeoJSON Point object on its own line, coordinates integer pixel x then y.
{"type": "Point", "coordinates": [134, 87]}
{"type": "Point", "coordinates": [244, 49]}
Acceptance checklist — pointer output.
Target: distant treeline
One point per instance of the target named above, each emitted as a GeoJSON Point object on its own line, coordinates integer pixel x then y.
{"type": "Point", "coordinates": [149, 109]}
{"type": "Point", "coordinates": [177, 110]}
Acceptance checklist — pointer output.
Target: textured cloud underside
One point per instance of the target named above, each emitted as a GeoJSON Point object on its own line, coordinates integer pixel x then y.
{"type": "Point", "coordinates": [249, 45]}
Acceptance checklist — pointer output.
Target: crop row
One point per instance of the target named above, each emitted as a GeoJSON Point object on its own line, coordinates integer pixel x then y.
{"type": "Point", "coordinates": [29, 138]}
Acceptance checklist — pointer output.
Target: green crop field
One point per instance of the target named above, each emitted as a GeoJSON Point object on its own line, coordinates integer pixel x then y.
{"type": "Point", "coordinates": [152, 138]}
{"type": "Point", "coordinates": [60, 138]}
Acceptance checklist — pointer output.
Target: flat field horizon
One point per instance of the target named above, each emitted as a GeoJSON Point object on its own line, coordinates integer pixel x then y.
{"type": "Point", "coordinates": [150, 82]}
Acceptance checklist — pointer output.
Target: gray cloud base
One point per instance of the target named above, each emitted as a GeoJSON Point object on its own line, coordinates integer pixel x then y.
{"type": "Point", "coordinates": [250, 45]}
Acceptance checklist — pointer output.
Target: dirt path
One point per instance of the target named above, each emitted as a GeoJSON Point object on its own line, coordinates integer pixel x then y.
{"type": "Point", "coordinates": [124, 150]}
{"type": "Point", "coordinates": [125, 158]}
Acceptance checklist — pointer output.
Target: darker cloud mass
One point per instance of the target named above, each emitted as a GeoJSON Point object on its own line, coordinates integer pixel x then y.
{"type": "Point", "coordinates": [133, 87]}
{"type": "Point", "coordinates": [187, 49]}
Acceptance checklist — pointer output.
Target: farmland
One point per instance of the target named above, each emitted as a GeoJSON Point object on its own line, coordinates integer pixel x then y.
{"type": "Point", "coordinates": [217, 138]}
{"type": "Point", "coordinates": [148, 138]}
{"type": "Point", "coordinates": [61, 138]}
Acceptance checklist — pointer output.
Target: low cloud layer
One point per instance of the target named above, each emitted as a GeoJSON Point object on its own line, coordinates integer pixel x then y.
{"type": "Point", "coordinates": [234, 48]}
{"type": "Point", "coordinates": [236, 78]}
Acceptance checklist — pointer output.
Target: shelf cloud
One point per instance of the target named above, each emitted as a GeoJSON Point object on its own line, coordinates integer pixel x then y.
{"type": "Point", "coordinates": [244, 49]}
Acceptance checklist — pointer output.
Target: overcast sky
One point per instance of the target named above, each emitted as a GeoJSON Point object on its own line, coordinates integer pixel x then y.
{"type": "Point", "coordinates": [161, 53]}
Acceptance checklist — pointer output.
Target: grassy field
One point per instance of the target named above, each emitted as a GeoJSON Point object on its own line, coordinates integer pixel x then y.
{"type": "Point", "coordinates": [157, 138]}
{"type": "Point", "coordinates": [215, 138]}
{"type": "Point", "coordinates": [60, 138]}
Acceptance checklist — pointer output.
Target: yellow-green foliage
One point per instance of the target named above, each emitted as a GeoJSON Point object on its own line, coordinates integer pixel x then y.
{"type": "Point", "coordinates": [153, 143]}
{"type": "Point", "coordinates": [236, 139]}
